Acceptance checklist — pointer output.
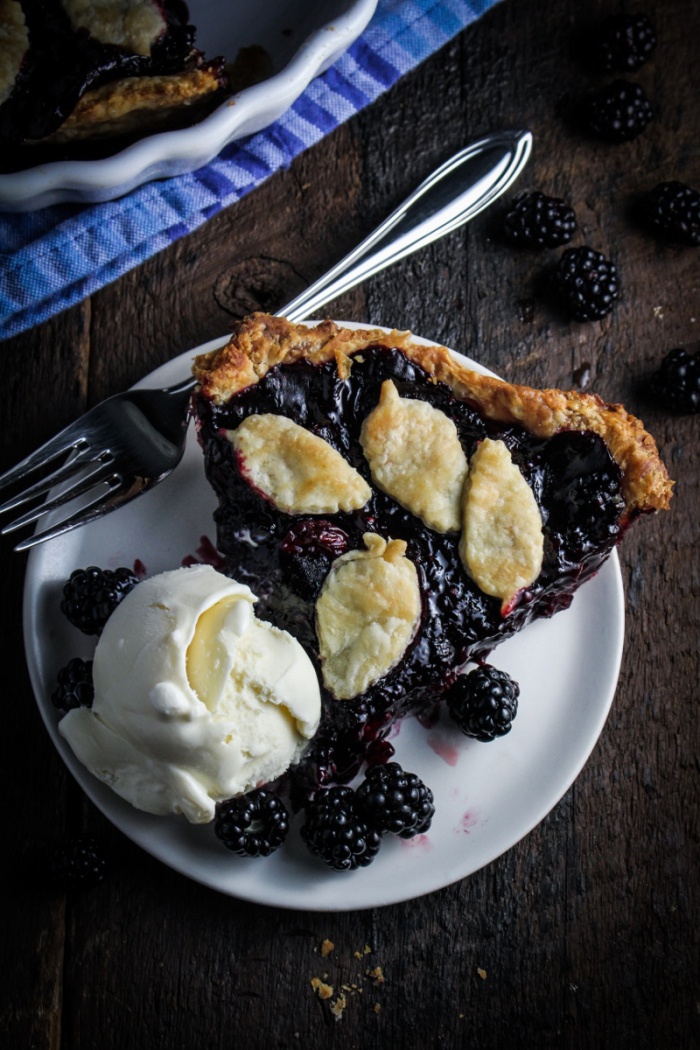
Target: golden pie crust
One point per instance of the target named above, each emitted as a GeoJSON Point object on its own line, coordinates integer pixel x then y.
{"type": "Point", "coordinates": [296, 470]}
{"type": "Point", "coordinates": [415, 455]}
{"type": "Point", "coordinates": [260, 342]}
{"type": "Point", "coordinates": [132, 24]}
{"type": "Point", "coordinates": [502, 543]}
{"type": "Point", "coordinates": [137, 104]}
{"type": "Point", "coordinates": [14, 43]}
{"type": "Point", "coordinates": [367, 613]}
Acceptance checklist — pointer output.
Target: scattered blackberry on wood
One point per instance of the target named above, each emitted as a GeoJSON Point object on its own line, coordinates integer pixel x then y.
{"type": "Point", "coordinates": [391, 800]}
{"type": "Point", "coordinates": [586, 283]}
{"type": "Point", "coordinates": [252, 825]}
{"type": "Point", "coordinates": [91, 595]}
{"type": "Point", "coordinates": [483, 703]}
{"type": "Point", "coordinates": [674, 209]}
{"type": "Point", "coordinates": [77, 863]}
{"type": "Point", "coordinates": [677, 382]}
{"type": "Point", "coordinates": [75, 688]}
{"type": "Point", "coordinates": [335, 832]}
{"type": "Point", "coordinates": [617, 112]}
{"type": "Point", "coordinates": [622, 43]}
{"type": "Point", "coordinates": [538, 221]}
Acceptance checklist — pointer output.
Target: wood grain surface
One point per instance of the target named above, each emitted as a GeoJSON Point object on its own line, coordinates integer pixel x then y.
{"type": "Point", "coordinates": [585, 934]}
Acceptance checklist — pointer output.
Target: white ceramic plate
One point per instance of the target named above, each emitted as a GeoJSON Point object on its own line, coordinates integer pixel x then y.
{"type": "Point", "coordinates": [302, 37]}
{"type": "Point", "coordinates": [487, 796]}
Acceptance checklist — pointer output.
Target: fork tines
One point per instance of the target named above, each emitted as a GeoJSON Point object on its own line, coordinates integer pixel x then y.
{"type": "Point", "coordinates": [88, 467]}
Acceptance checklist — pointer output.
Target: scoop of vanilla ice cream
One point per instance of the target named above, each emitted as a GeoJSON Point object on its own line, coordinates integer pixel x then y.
{"type": "Point", "coordinates": [196, 700]}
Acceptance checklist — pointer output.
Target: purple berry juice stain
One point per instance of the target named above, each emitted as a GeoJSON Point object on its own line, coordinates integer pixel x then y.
{"type": "Point", "coordinates": [205, 554]}
{"type": "Point", "coordinates": [447, 752]}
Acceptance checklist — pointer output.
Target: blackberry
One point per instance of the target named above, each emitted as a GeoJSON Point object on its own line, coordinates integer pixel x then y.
{"type": "Point", "coordinates": [307, 553]}
{"type": "Point", "coordinates": [91, 595]}
{"type": "Point", "coordinates": [617, 112]}
{"type": "Point", "coordinates": [677, 382]}
{"type": "Point", "coordinates": [335, 832]}
{"type": "Point", "coordinates": [583, 493]}
{"type": "Point", "coordinates": [483, 703]}
{"type": "Point", "coordinates": [622, 43]}
{"type": "Point", "coordinates": [252, 825]}
{"type": "Point", "coordinates": [75, 688]}
{"type": "Point", "coordinates": [538, 221]}
{"type": "Point", "coordinates": [77, 863]}
{"type": "Point", "coordinates": [673, 209]}
{"type": "Point", "coordinates": [586, 283]}
{"type": "Point", "coordinates": [391, 800]}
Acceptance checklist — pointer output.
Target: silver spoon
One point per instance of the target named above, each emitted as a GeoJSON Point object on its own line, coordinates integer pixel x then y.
{"type": "Point", "coordinates": [132, 441]}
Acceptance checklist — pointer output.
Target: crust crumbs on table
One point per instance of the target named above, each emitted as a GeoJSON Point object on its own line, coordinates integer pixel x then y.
{"type": "Point", "coordinates": [324, 991]}
{"type": "Point", "coordinates": [326, 947]}
{"type": "Point", "coordinates": [338, 1007]}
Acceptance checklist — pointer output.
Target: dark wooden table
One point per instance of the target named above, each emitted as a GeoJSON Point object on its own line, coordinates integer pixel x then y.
{"type": "Point", "coordinates": [587, 930]}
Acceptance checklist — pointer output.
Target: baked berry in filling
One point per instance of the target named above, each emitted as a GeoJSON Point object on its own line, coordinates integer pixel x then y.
{"type": "Point", "coordinates": [287, 558]}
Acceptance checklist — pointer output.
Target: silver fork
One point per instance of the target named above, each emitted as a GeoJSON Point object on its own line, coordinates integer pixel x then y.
{"type": "Point", "coordinates": [129, 443]}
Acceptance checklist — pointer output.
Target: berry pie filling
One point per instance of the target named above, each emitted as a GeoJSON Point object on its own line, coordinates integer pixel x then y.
{"type": "Point", "coordinates": [391, 530]}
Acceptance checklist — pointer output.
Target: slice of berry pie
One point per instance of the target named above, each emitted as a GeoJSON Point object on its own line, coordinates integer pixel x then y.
{"type": "Point", "coordinates": [400, 514]}
{"type": "Point", "coordinates": [86, 70]}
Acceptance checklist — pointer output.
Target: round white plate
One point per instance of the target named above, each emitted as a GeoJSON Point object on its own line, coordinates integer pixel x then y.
{"type": "Point", "coordinates": [302, 38]}
{"type": "Point", "coordinates": [487, 796]}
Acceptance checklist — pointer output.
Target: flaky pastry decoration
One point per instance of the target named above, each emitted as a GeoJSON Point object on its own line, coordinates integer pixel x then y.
{"type": "Point", "coordinates": [260, 342]}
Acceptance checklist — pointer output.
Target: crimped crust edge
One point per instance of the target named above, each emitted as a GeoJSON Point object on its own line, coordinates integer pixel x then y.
{"type": "Point", "coordinates": [260, 342]}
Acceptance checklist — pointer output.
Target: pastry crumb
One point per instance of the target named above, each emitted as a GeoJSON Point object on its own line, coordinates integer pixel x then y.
{"type": "Point", "coordinates": [481, 973]}
{"type": "Point", "coordinates": [378, 976]}
{"type": "Point", "coordinates": [377, 1007]}
{"type": "Point", "coordinates": [326, 947]}
{"type": "Point", "coordinates": [338, 1007]}
{"type": "Point", "coordinates": [324, 991]}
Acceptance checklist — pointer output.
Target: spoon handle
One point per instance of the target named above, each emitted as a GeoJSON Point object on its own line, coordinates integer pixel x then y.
{"type": "Point", "coordinates": [459, 189]}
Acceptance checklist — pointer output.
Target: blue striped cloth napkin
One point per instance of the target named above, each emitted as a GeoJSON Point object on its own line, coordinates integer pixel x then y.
{"type": "Point", "coordinates": [55, 257]}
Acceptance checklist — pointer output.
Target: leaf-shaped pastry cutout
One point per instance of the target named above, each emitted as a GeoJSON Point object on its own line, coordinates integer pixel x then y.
{"type": "Point", "coordinates": [366, 615]}
{"type": "Point", "coordinates": [502, 542]}
{"type": "Point", "coordinates": [133, 25]}
{"type": "Point", "coordinates": [298, 471]}
{"type": "Point", "coordinates": [15, 43]}
{"type": "Point", "coordinates": [415, 455]}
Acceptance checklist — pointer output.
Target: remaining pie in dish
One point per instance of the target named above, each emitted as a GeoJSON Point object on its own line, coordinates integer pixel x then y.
{"type": "Point", "coordinates": [400, 514]}
{"type": "Point", "coordinates": [72, 70]}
